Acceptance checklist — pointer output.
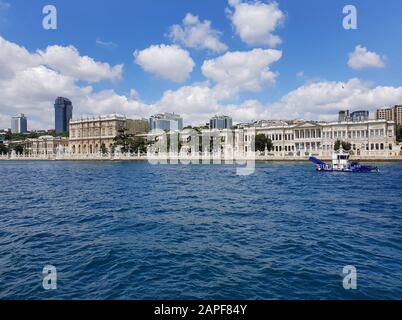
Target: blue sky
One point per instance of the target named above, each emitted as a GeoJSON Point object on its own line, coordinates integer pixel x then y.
{"type": "Point", "coordinates": [315, 50]}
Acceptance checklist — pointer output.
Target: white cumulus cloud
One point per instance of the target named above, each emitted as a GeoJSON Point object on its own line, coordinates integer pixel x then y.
{"type": "Point", "coordinates": [322, 100]}
{"type": "Point", "coordinates": [197, 35]}
{"type": "Point", "coordinates": [255, 22]}
{"type": "Point", "coordinates": [31, 87]}
{"type": "Point", "coordinates": [68, 61]}
{"type": "Point", "coordinates": [242, 71]}
{"type": "Point", "coordinates": [65, 60]}
{"type": "Point", "coordinates": [168, 62]}
{"type": "Point", "coordinates": [362, 58]}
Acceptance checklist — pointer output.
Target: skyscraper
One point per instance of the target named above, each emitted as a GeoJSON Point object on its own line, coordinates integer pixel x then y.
{"type": "Point", "coordinates": [359, 116]}
{"type": "Point", "coordinates": [19, 124]}
{"type": "Point", "coordinates": [220, 122]}
{"type": "Point", "coordinates": [166, 121]}
{"type": "Point", "coordinates": [63, 112]}
{"type": "Point", "coordinates": [356, 116]}
{"type": "Point", "coordinates": [344, 116]}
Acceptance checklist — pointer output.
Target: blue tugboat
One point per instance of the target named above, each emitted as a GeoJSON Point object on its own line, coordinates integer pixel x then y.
{"type": "Point", "coordinates": [341, 163]}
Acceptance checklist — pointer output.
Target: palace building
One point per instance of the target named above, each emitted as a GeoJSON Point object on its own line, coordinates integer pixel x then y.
{"type": "Point", "coordinates": [47, 146]}
{"type": "Point", "coordinates": [367, 138]}
{"type": "Point", "coordinates": [91, 135]}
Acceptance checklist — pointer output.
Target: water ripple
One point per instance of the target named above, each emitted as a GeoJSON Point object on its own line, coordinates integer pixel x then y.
{"type": "Point", "coordinates": [136, 231]}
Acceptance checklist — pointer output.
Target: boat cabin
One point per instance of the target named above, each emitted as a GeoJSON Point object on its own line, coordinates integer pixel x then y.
{"type": "Point", "coordinates": [340, 160]}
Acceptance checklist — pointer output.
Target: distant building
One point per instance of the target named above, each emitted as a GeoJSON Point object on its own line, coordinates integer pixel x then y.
{"type": "Point", "coordinates": [356, 116]}
{"type": "Point", "coordinates": [46, 145]}
{"type": "Point", "coordinates": [368, 138]}
{"type": "Point", "coordinates": [139, 126]}
{"type": "Point", "coordinates": [359, 116]}
{"type": "Point", "coordinates": [398, 115]}
{"type": "Point", "coordinates": [92, 134]}
{"type": "Point", "coordinates": [166, 121]}
{"type": "Point", "coordinates": [19, 124]}
{"type": "Point", "coordinates": [390, 114]}
{"type": "Point", "coordinates": [63, 113]}
{"type": "Point", "coordinates": [221, 122]}
{"type": "Point", "coordinates": [344, 116]}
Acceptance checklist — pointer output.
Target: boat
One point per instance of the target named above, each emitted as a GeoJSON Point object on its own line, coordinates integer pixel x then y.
{"type": "Point", "coordinates": [341, 163]}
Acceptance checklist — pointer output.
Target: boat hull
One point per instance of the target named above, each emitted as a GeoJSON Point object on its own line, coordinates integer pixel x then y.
{"type": "Point", "coordinates": [352, 170]}
{"type": "Point", "coordinates": [349, 167]}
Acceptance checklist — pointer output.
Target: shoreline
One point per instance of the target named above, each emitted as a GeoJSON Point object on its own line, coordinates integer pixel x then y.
{"type": "Point", "coordinates": [194, 161]}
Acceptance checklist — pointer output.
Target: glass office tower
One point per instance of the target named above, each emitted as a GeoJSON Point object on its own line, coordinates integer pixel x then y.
{"type": "Point", "coordinates": [63, 112]}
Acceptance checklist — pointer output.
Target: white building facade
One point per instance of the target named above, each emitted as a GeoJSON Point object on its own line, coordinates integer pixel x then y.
{"type": "Point", "coordinates": [367, 138]}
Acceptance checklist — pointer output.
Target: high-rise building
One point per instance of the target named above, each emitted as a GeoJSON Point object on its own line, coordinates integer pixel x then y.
{"type": "Point", "coordinates": [63, 113]}
{"type": "Point", "coordinates": [166, 121]}
{"type": "Point", "coordinates": [359, 116]}
{"type": "Point", "coordinates": [19, 124]}
{"type": "Point", "coordinates": [356, 116]}
{"type": "Point", "coordinates": [390, 114]}
{"type": "Point", "coordinates": [398, 115]}
{"type": "Point", "coordinates": [221, 122]}
{"type": "Point", "coordinates": [344, 116]}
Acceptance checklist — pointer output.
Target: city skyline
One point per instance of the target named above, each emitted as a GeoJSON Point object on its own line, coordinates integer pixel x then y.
{"type": "Point", "coordinates": [286, 76]}
{"type": "Point", "coordinates": [346, 115]}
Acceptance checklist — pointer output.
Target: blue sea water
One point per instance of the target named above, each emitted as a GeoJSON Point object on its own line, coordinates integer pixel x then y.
{"type": "Point", "coordinates": [132, 230]}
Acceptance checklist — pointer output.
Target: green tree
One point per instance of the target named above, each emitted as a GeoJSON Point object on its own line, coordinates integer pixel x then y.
{"type": "Point", "coordinates": [18, 137]}
{"type": "Point", "coordinates": [19, 149]}
{"type": "Point", "coordinates": [262, 141]}
{"type": "Point", "coordinates": [345, 145]}
{"type": "Point", "coordinates": [129, 142]}
{"type": "Point", "coordinates": [103, 149]}
{"type": "Point", "coordinates": [137, 144]}
{"type": "Point", "coordinates": [399, 133]}
{"type": "Point", "coordinates": [122, 140]}
{"type": "Point", "coordinates": [8, 136]}
{"type": "Point", "coordinates": [3, 149]}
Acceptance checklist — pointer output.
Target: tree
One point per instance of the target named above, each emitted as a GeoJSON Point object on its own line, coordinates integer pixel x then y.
{"type": "Point", "coordinates": [3, 149]}
{"type": "Point", "coordinates": [19, 149]}
{"type": "Point", "coordinates": [103, 149]}
{"type": "Point", "coordinates": [137, 144]}
{"type": "Point", "coordinates": [8, 136]}
{"type": "Point", "coordinates": [345, 145]}
{"type": "Point", "coordinates": [399, 133]}
{"type": "Point", "coordinates": [122, 140]}
{"type": "Point", "coordinates": [261, 142]}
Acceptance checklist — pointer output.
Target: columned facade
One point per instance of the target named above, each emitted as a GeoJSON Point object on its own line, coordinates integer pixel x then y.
{"type": "Point", "coordinates": [92, 135]}
{"type": "Point", "coordinates": [47, 146]}
{"type": "Point", "coordinates": [367, 138]}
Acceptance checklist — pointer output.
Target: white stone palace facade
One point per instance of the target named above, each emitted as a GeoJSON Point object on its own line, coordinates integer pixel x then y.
{"type": "Point", "coordinates": [47, 146]}
{"type": "Point", "coordinates": [368, 138]}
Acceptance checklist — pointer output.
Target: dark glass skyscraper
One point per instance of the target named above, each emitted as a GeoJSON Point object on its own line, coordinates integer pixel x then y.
{"type": "Point", "coordinates": [63, 112]}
